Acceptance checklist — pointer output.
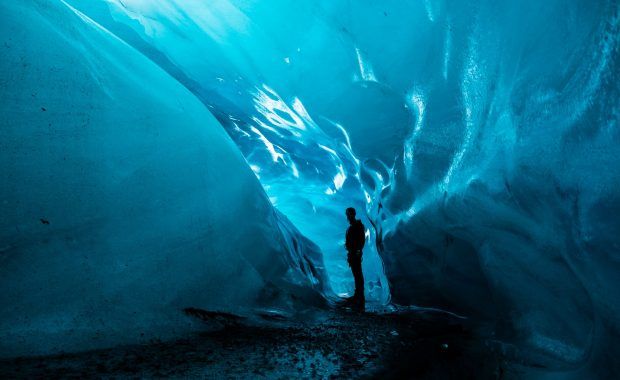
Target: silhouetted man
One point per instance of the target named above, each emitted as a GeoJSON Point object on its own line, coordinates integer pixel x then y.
{"type": "Point", "coordinates": [355, 240]}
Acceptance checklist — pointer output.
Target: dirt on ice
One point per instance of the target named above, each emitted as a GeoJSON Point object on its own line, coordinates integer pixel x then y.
{"type": "Point", "coordinates": [344, 344]}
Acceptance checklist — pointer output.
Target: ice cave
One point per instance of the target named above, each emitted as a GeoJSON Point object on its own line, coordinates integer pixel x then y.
{"type": "Point", "coordinates": [159, 155]}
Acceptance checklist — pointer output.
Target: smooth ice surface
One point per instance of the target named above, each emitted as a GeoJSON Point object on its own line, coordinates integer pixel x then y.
{"type": "Point", "coordinates": [123, 199]}
{"type": "Point", "coordinates": [480, 138]}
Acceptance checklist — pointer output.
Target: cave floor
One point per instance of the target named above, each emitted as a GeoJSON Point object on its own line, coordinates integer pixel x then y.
{"type": "Point", "coordinates": [344, 344]}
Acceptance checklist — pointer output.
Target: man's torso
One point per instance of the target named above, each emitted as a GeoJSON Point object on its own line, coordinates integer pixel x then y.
{"type": "Point", "coordinates": [355, 237]}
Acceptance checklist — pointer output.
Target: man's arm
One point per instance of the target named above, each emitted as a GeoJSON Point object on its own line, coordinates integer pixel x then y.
{"type": "Point", "coordinates": [360, 236]}
{"type": "Point", "coordinates": [347, 241]}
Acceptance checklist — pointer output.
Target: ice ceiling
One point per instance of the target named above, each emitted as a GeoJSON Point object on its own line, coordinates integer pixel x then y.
{"type": "Point", "coordinates": [192, 153]}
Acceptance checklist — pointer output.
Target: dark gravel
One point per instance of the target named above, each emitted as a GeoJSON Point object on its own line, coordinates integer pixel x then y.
{"type": "Point", "coordinates": [344, 345]}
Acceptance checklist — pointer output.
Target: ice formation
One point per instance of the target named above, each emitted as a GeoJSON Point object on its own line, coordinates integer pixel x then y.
{"type": "Point", "coordinates": [123, 199]}
{"type": "Point", "coordinates": [481, 140]}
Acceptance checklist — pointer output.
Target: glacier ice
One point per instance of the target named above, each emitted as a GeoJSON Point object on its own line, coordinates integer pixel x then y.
{"type": "Point", "coordinates": [302, 165]}
{"type": "Point", "coordinates": [123, 200]}
{"type": "Point", "coordinates": [481, 139]}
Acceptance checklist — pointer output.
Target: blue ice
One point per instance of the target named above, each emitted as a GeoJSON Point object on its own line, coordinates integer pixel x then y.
{"type": "Point", "coordinates": [479, 141]}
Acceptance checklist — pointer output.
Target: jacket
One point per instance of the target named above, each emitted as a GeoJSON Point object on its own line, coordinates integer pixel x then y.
{"type": "Point", "coordinates": [355, 237]}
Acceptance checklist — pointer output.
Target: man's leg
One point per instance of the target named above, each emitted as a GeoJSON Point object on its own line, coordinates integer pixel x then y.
{"type": "Point", "coordinates": [351, 262]}
{"type": "Point", "coordinates": [358, 275]}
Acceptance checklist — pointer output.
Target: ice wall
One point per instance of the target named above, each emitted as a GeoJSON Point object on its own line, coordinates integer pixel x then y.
{"type": "Point", "coordinates": [248, 74]}
{"type": "Point", "coordinates": [482, 138]}
{"type": "Point", "coordinates": [123, 200]}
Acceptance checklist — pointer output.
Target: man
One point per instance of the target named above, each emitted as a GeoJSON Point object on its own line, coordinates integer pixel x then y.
{"type": "Point", "coordinates": [355, 239]}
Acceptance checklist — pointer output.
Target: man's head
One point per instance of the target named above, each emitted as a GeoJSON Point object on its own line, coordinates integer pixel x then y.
{"type": "Point", "coordinates": [351, 214]}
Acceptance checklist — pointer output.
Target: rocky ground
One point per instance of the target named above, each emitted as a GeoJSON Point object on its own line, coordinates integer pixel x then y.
{"type": "Point", "coordinates": [344, 344]}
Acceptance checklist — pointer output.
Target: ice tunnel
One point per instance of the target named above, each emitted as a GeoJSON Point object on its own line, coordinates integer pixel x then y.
{"type": "Point", "coordinates": [162, 154]}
